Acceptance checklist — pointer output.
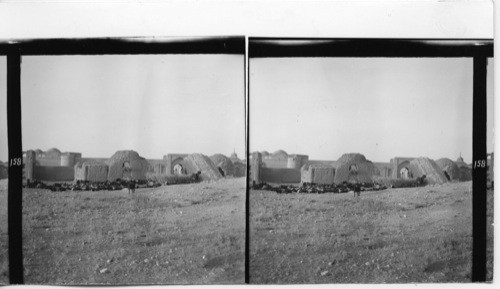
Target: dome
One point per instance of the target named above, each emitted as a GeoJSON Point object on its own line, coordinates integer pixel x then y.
{"type": "Point", "coordinates": [280, 154]}
{"type": "Point", "coordinates": [53, 152]}
{"type": "Point", "coordinates": [264, 153]}
{"type": "Point", "coordinates": [351, 158]}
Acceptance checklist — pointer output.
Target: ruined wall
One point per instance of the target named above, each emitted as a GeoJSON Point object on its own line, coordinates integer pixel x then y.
{"type": "Point", "coordinates": [157, 166]}
{"type": "Point", "coordinates": [49, 162]}
{"type": "Point", "coordinates": [255, 167]}
{"type": "Point", "coordinates": [91, 171]}
{"type": "Point", "coordinates": [96, 173]}
{"type": "Point", "coordinates": [29, 165]}
{"type": "Point", "coordinates": [384, 169]}
{"type": "Point", "coordinates": [425, 166]}
{"type": "Point", "coordinates": [275, 163]}
{"type": "Point", "coordinates": [317, 174]}
{"type": "Point", "coordinates": [297, 161]}
{"type": "Point", "coordinates": [280, 175]}
{"type": "Point", "coordinates": [200, 163]}
{"type": "Point", "coordinates": [54, 174]}
{"type": "Point", "coordinates": [70, 159]}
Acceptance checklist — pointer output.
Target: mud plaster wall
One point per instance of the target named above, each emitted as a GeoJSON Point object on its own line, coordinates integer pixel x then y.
{"type": "Point", "coordinates": [79, 173]}
{"type": "Point", "coordinates": [280, 175]}
{"type": "Point", "coordinates": [54, 174]}
{"type": "Point", "coordinates": [49, 162]}
{"type": "Point", "coordinates": [96, 173]}
{"type": "Point", "coordinates": [318, 175]}
{"type": "Point", "coordinates": [275, 163]}
{"type": "Point", "coordinates": [255, 167]}
{"type": "Point", "coordinates": [297, 161]}
{"type": "Point", "coordinates": [364, 172]}
{"type": "Point", "coordinates": [29, 165]}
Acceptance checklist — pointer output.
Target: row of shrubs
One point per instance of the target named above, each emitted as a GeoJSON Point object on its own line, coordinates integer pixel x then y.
{"type": "Point", "coordinates": [78, 185]}
{"type": "Point", "coordinates": [174, 179]}
{"type": "Point", "coordinates": [400, 183]}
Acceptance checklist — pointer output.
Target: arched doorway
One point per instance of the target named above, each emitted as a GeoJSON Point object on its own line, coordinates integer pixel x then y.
{"type": "Point", "coordinates": [405, 173]}
{"type": "Point", "coordinates": [178, 170]}
{"type": "Point", "coordinates": [403, 170]}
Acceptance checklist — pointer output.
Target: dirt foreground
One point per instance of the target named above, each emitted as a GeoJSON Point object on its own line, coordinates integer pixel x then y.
{"type": "Point", "coordinates": [181, 234]}
{"type": "Point", "coordinates": [393, 236]}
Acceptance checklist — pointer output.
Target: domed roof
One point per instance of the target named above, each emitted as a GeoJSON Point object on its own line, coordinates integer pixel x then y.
{"type": "Point", "coordinates": [280, 154]}
{"type": "Point", "coordinates": [264, 153]}
{"type": "Point", "coordinates": [53, 150]}
{"type": "Point", "coordinates": [38, 151]}
{"type": "Point", "coordinates": [351, 158]}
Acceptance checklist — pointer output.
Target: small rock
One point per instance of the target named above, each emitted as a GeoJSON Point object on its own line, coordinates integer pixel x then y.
{"type": "Point", "coordinates": [204, 257]}
{"type": "Point", "coordinates": [146, 260]}
{"type": "Point", "coordinates": [324, 273]}
{"type": "Point", "coordinates": [104, 270]}
{"type": "Point", "coordinates": [331, 263]}
{"type": "Point", "coordinates": [367, 263]}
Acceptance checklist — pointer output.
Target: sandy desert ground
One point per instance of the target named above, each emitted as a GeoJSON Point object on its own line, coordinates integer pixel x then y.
{"type": "Point", "coordinates": [419, 234]}
{"type": "Point", "coordinates": [176, 234]}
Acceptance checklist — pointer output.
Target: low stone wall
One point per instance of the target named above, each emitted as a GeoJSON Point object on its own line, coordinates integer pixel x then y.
{"type": "Point", "coordinates": [279, 175]}
{"type": "Point", "coordinates": [54, 174]}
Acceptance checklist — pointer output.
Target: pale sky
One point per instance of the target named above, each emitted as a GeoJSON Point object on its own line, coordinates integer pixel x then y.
{"type": "Point", "coordinates": [380, 107]}
{"type": "Point", "coordinates": [154, 104]}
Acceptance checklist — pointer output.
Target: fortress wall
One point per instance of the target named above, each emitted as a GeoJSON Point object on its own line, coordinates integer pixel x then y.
{"type": "Point", "coordinates": [48, 162]}
{"type": "Point", "coordinates": [54, 174]}
{"type": "Point", "coordinates": [317, 175]}
{"type": "Point", "coordinates": [275, 163]}
{"type": "Point", "coordinates": [280, 175]}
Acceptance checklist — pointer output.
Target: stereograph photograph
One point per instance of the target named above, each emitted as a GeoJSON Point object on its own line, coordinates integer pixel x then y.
{"type": "Point", "coordinates": [361, 169]}
{"type": "Point", "coordinates": [134, 169]}
{"type": "Point", "coordinates": [360, 157]}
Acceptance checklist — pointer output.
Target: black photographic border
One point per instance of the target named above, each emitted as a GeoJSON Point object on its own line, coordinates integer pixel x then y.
{"type": "Point", "coordinates": [15, 49]}
{"type": "Point", "coordinates": [477, 49]}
